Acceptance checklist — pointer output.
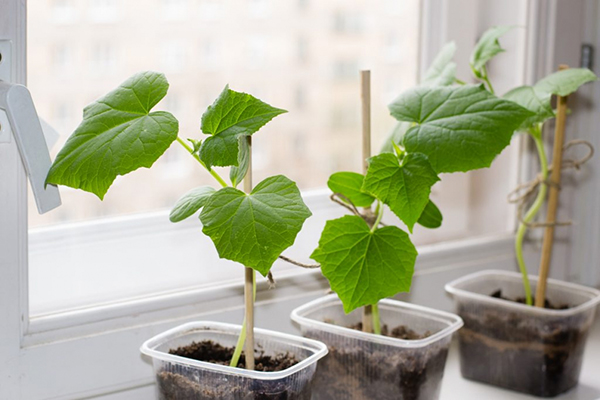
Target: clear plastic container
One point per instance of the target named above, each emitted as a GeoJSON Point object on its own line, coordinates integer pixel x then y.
{"type": "Point", "coordinates": [180, 378]}
{"type": "Point", "coordinates": [364, 366]}
{"type": "Point", "coordinates": [527, 349]}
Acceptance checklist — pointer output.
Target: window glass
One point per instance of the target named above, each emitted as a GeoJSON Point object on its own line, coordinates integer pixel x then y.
{"type": "Point", "coordinates": [303, 56]}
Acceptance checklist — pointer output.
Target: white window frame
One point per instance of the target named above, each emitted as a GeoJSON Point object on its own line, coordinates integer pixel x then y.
{"type": "Point", "coordinates": [94, 351]}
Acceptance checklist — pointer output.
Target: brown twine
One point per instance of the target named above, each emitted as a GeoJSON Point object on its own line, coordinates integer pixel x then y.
{"type": "Point", "coordinates": [524, 192]}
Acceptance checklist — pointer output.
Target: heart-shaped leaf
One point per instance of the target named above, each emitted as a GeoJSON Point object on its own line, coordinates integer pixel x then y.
{"type": "Point", "coordinates": [254, 229]}
{"type": "Point", "coordinates": [232, 115]}
{"type": "Point", "coordinates": [488, 47]}
{"type": "Point", "coordinates": [364, 267]}
{"type": "Point", "coordinates": [563, 83]}
{"type": "Point", "coordinates": [349, 184]}
{"type": "Point", "coordinates": [190, 203]}
{"type": "Point", "coordinates": [535, 101]}
{"type": "Point", "coordinates": [431, 217]}
{"type": "Point", "coordinates": [458, 128]}
{"type": "Point", "coordinates": [118, 135]}
{"type": "Point", "coordinates": [404, 186]}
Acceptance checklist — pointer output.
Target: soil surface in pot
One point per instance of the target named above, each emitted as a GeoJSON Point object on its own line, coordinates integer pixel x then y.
{"type": "Point", "coordinates": [177, 382]}
{"type": "Point", "coordinates": [519, 352]}
{"type": "Point", "coordinates": [547, 304]}
{"type": "Point", "coordinates": [367, 372]}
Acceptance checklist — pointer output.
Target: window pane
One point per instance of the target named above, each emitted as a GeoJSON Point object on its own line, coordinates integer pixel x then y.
{"type": "Point", "coordinates": [303, 56]}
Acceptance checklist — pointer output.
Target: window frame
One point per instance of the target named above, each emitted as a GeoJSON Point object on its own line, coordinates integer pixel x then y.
{"type": "Point", "coordinates": [94, 351]}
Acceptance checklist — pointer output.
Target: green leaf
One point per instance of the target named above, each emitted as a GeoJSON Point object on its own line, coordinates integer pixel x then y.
{"type": "Point", "coordinates": [404, 186]}
{"type": "Point", "coordinates": [191, 202]}
{"type": "Point", "coordinates": [431, 217]}
{"type": "Point", "coordinates": [254, 229]}
{"type": "Point", "coordinates": [459, 128]}
{"type": "Point", "coordinates": [533, 100]}
{"type": "Point", "coordinates": [488, 46]}
{"type": "Point", "coordinates": [395, 136]}
{"type": "Point", "coordinates": [364, 267]}
{"type": "Point", "coordinates": [442, 71]}
{"type": "Point", "coordinates": [237, 173]}
{"type": "Point", "coordinates": [349, 184]}
{"type": "Point", "coordinates": [563, 83]}
{"type": "Point", "coordinates": [232, 115]}
{"type": "Point", "coordinates": [118, 135]}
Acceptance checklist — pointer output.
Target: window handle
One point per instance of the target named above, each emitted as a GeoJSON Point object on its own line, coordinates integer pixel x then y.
{"type": "Point", "coordinates": [16, 102]}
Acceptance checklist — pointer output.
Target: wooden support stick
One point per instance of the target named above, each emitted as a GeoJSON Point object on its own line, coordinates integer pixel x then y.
{"type": "Point", "coordinates": [249, 278]}
{"type": "Point", "coordinates": [365, 96]}
{"type": "Point", "coordinates": [554, 190]}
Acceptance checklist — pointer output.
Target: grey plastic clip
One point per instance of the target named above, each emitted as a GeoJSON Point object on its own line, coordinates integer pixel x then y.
{"type": "Point", "coordinates": [16, 101]}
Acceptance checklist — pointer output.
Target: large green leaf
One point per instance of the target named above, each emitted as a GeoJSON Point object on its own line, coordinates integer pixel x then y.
{"type": "Point", "coordinates": [190, 202]}
{"type": "Point", "coordinates": [458, 128]}
{"type": "Point", "coordinates": [442, 71]}
{"type": "Point", "coordinates": [431, 217]}
{"type": "Point", "coordinates": [535, 101]}
{"type": "Point", "coordinates": [233, 114]}
{"type": "Point", "coordinates": [118, 135]}
{"type": "Point", "coordinates": [349, 184]}
{"type": "Point", "coordinates": [364, 267]}
{"type": "Point", "coordinates": [404, 186]}
{"type": "Point", "coordinates": [488, 46]}
{"type": "Point", "coordinates": [563, 83]}
{"type": "Point", "coordinates": [254, 229]}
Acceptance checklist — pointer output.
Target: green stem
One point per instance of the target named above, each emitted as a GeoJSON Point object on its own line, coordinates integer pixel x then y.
{"type": "Point", "coordinates": [532, 212]}
{"type": "Point", "coordinates": [376, 320]}
{"type": "Point", "coordinates": [379, 211]}
{"type": "Point", "coordinates": [210, 171]}
{"type": "Point", "coordinates": [239, 346]}
{"type": "Point", "coordinates": [485, 78]}
{"type": "Point", "coordinates": [460, 82]}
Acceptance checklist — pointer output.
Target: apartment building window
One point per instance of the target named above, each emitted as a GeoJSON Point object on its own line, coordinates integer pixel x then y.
{"type": "Point", "coordinates": [103, 11]}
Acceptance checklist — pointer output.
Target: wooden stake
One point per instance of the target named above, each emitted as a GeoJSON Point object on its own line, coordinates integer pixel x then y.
{"type": "Point", "coordinates": [554, 190]}
{"type": "Point", "coordinates": [249, 279]}
{"type": "Point", "coordinates": [365, 97]}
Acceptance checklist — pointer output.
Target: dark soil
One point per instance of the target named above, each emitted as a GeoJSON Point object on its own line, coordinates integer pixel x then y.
{"type": "Point", "coordinates": [399, 332]}
{"type": "Point", "coordinates": [520, 352]}
{"type": "Point", "coordinates": [547, 304]}
{"type": "Point", "coordinates": [177, 382]}
{"type": "Point", "coordinates": [370, 371]}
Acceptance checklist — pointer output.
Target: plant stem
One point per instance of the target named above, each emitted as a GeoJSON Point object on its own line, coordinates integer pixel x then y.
{"type": "Point", "coordinates": [210, 171]}
{"type": "Point", "coordinates": [379, 211]}
{"type": "Point", "coordinates": [235, 359]}
{"type": "Point", "coordinates": [485, 78]}
{"type": "Point", "coordinates": [532, 212]}
{"type": "Point", "coordinates": [376, 320]}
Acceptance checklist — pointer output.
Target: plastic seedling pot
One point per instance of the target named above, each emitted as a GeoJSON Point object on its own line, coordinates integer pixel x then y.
{"type": "Point", "coordinates": [183, 378]}
{"type": "Point", "coordinates": [528, 349]}
{"type": "Point", "coordinates": [365, 366]}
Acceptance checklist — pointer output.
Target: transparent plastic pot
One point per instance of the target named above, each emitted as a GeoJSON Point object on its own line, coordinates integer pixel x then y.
{"type": "Point", "coordinates": [528, 349]}
{"type": "Point", "coordinates": [182, 378]}
{"type": "Point", "coordinates": [365, 366]}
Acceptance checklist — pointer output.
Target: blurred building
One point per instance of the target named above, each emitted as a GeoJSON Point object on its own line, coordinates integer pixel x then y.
{"type": "Point", "coordinates": [300, 55]}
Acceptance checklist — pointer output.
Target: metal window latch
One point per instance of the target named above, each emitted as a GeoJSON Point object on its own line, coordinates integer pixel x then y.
{"type": "Point", "coordinates": [17, 104]}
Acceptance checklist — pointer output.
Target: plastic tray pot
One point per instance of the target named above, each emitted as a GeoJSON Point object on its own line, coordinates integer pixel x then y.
{"type": "Point", "coordinates": [183, 378]}
{"type": "Point", "coordinates": [363, 366]}
{"type": "Point", "coordinates": [532, 350]}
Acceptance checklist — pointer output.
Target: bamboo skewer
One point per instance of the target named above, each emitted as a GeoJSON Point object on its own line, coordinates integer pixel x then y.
{"type": "Point", "coordinates": [554, 190]}
{"type": "Point", "coordinates": [365, 96]}
{"type": "Point", "coordinates": [249, 279]}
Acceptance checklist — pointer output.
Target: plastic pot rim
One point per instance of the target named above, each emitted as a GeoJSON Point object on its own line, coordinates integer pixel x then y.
{"type": "Point", "coordinates": [454, 289]}
{"type": "Point", "coordinates": [454, 322]}
{"type": "Point", "coordinates": [318, 349]}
